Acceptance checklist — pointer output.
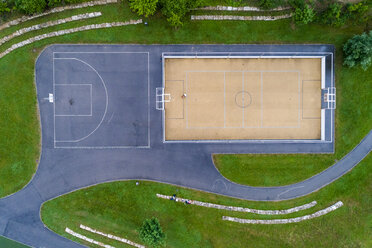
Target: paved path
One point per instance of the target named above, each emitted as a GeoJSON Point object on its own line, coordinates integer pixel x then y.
{"type": "Point", "coordinates": [62, 170]}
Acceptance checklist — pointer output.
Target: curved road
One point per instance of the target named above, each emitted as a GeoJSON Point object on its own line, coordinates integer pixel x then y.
{"type": "Point", "coordinates": [63, 170]}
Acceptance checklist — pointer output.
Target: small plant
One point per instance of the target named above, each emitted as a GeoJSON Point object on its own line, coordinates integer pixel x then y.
{"type": "Point", "coordinates": [151, 233]}
{"type": "Point", "coordinates": [304, 15]}
{"type": "Point", "coordinates": [143, 7]}
{"type": "Point", "coordinates": [358, 51]}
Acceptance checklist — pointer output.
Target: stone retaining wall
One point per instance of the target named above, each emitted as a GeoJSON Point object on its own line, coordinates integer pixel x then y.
{"type": "Point", "coordinates": [49, 24]}
{"type": "Point", "coordinates": [238, 18]}
{"type": "Point", "coordinates": [56, 10]}
{"type": "Point", "coordinates": [92, 241]}
{"type": "Point", "coordinates": [240, 209]}
{"type": "Point", "coordinates": [68, 31]}
{"type": "Point", "coordinates": [286, 221]}
{"type": "Point", "coordinates": [126, 241]}
{"type": "Point", "coordinates": [243, 8]}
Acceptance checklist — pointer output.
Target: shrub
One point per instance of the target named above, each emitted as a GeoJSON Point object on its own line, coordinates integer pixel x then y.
{"type": "Point", "coordinates": [297, 4]}
{"type": "Point", "coordinates": [175, 11]}
{"type": "Point", "coordinates": [357, 12]}
{"type": "Point", "coordinates": [304, 15]}
{"type": "Point", "coordinates": [3, 7]}
{"type": "Point", "coordinates": [143, 7]}
{"type": "Point", "coordinates": [31, 6]}
{"type": "Point", "coordinates": [358, 51]}
{"type": "Point", "coordinates": [333, 15]}
{"type": "Point", "coordinates": [151, 233]}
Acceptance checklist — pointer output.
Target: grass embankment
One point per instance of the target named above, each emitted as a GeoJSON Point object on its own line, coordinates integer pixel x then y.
{"type": "Point", "coordinates": [121, 207]}
{"type": "Point", "coordinates": [19, 128]}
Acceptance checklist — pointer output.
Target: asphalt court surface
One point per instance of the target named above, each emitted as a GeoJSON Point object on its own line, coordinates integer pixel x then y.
{"type": "Point", "coordinates": [101, 99]}
{"type": "Point", "coordinates": [242, 98]}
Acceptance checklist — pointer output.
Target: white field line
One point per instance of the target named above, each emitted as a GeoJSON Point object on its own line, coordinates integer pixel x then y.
{"type": "Point", "coordinates": [92, 241]}
{"type": "Point", "coordinates": [49, 24]}
{"type": "Point", "coordinates": [240, 209]}
{"type": "Point", "coordinates": [126, 241]}
{"type": "Point", "coordinates": [286, 221]}
{"type": "Point", "coordinates": [68, 31]}
{"type": "Point", "coordinates": [238, 18]}
{"type": "Point", "coordinates": [243, 8]}
{"type": "Point", "coordinates": [56, 10]}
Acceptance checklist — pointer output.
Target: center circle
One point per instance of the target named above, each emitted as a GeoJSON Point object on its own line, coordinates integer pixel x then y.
{"type": "Point", "coordinates": [243, 99]}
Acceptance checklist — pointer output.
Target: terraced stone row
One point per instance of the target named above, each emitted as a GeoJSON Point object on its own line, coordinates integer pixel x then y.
{"type": "Point", "coordinates": [239, 209]}
{"type": "Point", "coordinates": [238, 18]}
{"type": "Point", "coordinates": [92, 241]}
{"type": "Point", "coordinates": [49, 24]}
{"type": "Point", "coordinates": [68, 31]}
{"type": "Point", "coordinates": [56, 10]}
{"type": "Point", "coordinates": [110, 236]}
{"type": "Point", "coordinates": [243, 8]}
{"type": "Point", "coordinates": [286, 221]}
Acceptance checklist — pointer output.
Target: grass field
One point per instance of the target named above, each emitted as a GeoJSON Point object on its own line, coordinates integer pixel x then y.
{"type": "Point", "coordinates": [120, 207]}
{"type": "Point", "coordinates": [7, 243]}
{"type": "Point", "coordinates": [19, 128]}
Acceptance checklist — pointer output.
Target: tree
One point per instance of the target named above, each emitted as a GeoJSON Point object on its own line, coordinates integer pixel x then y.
{"type": "Point", "coordinates": [304, 15]}
{"type": "Point", "coordinates": [357, 12]}
{"type": "Point", "coordinates": [143, 7]}
{"type": "Point", "coordinates": [31, 6]}
{"type": "Point", "coordinates": [358, 51]}
{"type": "Point", "coordinates": [151, 233]}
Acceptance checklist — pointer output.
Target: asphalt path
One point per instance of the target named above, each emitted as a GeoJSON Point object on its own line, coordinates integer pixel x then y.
{"type": "Point", "coordinates": [119, 137]}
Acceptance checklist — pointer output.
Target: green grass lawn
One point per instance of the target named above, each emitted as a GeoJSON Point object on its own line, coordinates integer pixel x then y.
{"type": "Point", "coordinates": [7, 243]}
{"type": "Point", "coordinates": [120, 208]}
{"type": "Point", "coordinates": [19, 125]}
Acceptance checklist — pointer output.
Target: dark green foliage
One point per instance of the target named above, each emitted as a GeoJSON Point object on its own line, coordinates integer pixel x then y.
{"type": "Point", "coordinates": [3, 7]}
{"type": "Point", "coordinates": [151, 233]}
{"type": "Point", "coordinates": [54, 3]}
{"type": "Point", "coordinates": [358, 51]}
{"type": "Point", "coordinates": [334, 15]}
{"type": "Point", "coordinates": [304, 15]}
{"type": "Point", "coordinates": [297, 4]}
{"type": "Point", "coordinates": [31, 6]}
{"type": "Point", "coordinates": [143, 7]}
{"type": "Point", "coordinates": [175, 11]}
{"type": "Point", "coordinates": [357, 12]}
{"type": "Point", "coordinates": [270, 4]}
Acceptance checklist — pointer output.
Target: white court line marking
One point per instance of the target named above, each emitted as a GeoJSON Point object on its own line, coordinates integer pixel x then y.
{"type": "Point", "coordinates": [243, 98]}
{"type": "Point", "coordinates": [261, 102]}
{"type": "Point", "coordinates": [148, 104]}
{"type": "Point", "coordinates": [91, 99]}
{"type": "Point", "coordinates": [104, 114]}
{"type": "Point", "coordinates": [54, 105]}
{"type": "Point", "coordinates": [224, 99]}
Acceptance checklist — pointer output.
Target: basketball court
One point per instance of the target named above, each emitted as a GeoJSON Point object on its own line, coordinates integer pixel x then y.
{"type": "Point", "coordinates": [242, 98]}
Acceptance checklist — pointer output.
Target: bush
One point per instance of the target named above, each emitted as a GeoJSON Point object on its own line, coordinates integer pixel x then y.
{"type": "Point", "coordinates": [270, 4]}
{"type": "Point", "coordinates": [358, 51]}
{"type": "Point", "coordinates": [31, 6]}
{"type": "Point", "coordinates": [357, 12]}
{"type": "Point", "coordinates": [304, 15]}
{"type": "Point", "coordinates": [151, 233]}
{"type": "Point", "coordinates": [3, 7]}
{"type": "Point", "coordinates": [143, 7]}
{"type": "Point", "coordinates": [333, 15]}
{"type": "Point", "coordinates": [175, 11]}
